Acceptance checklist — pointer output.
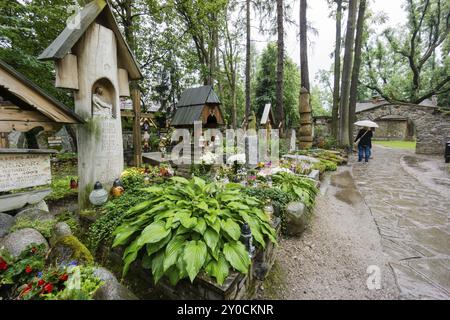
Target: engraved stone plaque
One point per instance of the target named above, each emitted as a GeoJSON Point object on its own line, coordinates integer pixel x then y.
{"type": "Point", "coordinates": [19, 171]}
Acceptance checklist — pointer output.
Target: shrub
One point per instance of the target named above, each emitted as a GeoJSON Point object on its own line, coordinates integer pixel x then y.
{"type": "Point", "coordinates": [43, 226]}
{"type": "Point", "coordinates": [185, 227]}
{"type": "Point", "coordinates": [300, 187]}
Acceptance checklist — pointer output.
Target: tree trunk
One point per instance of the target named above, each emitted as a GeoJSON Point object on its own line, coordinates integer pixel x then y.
{"type": "Point", "coordinates": [304, 74]}
{"type": "Point", "coordinates": [356, 67]}
{"type": "Point", "coordinates": [337, 71]}
{"type": "Point", "coordinates": [346, 75]}
{"type": "Point", "coordinates": [247, 66]}
{"type": "Point", "coordinates": [280, 67]}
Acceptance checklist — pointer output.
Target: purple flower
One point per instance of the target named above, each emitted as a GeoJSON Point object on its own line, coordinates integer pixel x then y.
{"type": "Point", "coordinates": [73, 263]}
{"type": "Point", "coordinates": [39, 274]}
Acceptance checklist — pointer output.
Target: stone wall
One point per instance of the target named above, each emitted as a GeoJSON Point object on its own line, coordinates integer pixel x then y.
{"type": "Point", "coordinates": [432, 126]}
{"type": "Point", "coordinates": [391, 130]}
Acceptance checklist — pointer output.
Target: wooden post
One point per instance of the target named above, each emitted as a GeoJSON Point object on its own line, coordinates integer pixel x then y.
{"type": "Point", "coordinates": [305, 132]}
{"type": "Point", "coordinates": [137, 137]}
{"type": "Point", "coordinates": [4, 142]}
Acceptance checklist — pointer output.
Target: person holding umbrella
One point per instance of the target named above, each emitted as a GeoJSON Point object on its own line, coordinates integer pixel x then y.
{"type": "Point", "coordinates": [364, 139]}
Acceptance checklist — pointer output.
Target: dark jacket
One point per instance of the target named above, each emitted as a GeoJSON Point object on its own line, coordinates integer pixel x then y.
{"type": "Point", "coordinates": [366, 140]}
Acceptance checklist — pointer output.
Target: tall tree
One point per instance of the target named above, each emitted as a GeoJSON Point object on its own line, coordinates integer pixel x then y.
{"type": "Point", "coordinates": [412, 63]}
{"type": "Point", "coordinates": [356, 66]}
{"type": "Point", "coordinates": [304, 70]}
{"type": "Point", "coordinates": [337, 70]}
{"type": "Point", "coordinates": [346, 75]}
{"type": "Point", "coordinates": [247, 62]}
{"type": "Point", "coordinates": [280, 67]}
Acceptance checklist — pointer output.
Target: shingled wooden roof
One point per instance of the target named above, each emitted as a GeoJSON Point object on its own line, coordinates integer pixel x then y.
{"type": "Point", "coordinates": [25, 105]}
{"type": "Point", "coordinates": [96, 11]}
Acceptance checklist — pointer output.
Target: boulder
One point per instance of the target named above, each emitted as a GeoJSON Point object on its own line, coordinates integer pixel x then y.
{"type": "Point", "coordinates": [35, 214]}
{"type": "Point", "coordinates": [315, 174]}
{"type": "Point", "coordinates": [61, 229]}
{"type": "Point", "coordinates": [296, 219]}
{"type": "Point", "coordinates": [19, 240]}
{"type": "Point", "coordinates": [68, 248]}
{"type": "Point", "coordinates": [112, 289]}
{"type": "Point", "coordinates": [41, 205]}
{"type": "Point", "coordinates": [6, 222]}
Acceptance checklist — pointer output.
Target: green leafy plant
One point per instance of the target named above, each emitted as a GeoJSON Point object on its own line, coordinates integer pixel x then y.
{"type": "Point", "coordinates": [62, 283]}
{"type": "Point", "coordinates": [300, 187]}
{"type": "Point", "coordinates": [189, 226]}
{"type": "Point", "coordinates": [71, 220]}
{"type": "Point", "coordinates": [61, 188]}
{"type": "Point", "coordinates": [278, 198]}
{"type": "Point", "coordinates": [43, 226]}
{"type": "Point", "coordinates": [21, 269]}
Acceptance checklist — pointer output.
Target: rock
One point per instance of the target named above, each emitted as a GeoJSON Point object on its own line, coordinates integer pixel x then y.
{"type": "Point", "coordinates": [19, 240]}
{"type": "Point", "coordinates": [41, 205]}
{"type": "Point", "coordinates": [35, 214]}
{"type": "Point", "coordinates": [6, 222]}
{"type": "Point", "coordinates": [315, 174]}
{"type": "Point", "coordinates": [61, 229]}
{"type": "Point", "coordinates": [296, 219]}
{"type": "Point", "coordinates": [69, 248]}
{"type": "Point", "coordinates": [112, 289]}
{"type": "Point", "coordinates": [104, 274]}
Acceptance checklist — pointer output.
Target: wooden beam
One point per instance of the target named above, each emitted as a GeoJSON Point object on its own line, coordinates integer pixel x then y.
{"type": "Point", "coordinates": [137, 137]}
{"type": "Point", "coordinates": [16, 114]}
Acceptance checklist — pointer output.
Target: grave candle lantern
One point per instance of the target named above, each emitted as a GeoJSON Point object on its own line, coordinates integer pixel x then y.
{"type": "Point", "coordinates": [117, 189]}
{"type": "Point", "coordinates": [247, 239]}
{"type": "Point", "coordinates": [98, 196]}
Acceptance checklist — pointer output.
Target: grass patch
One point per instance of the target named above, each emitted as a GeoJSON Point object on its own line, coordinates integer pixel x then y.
{"type": "Point", "coordinates": [397, 144]}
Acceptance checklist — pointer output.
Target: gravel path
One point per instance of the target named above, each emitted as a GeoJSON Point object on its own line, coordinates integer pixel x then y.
{"type": "Point", "coordinates": [331, 258]}
{"type": "Point", "coordinates": [391, 214]}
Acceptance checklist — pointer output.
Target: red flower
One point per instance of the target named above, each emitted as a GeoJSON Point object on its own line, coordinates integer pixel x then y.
{"type": "Point", "coordinates": [64, 277]}
{"type": "Point", "coordinates": [28, 269]}
{"type": "Point", "coordinates": [48, 288]}
{"type": "Point", "coordinates": [41, 283]}
{"type": "Point", "coordinates": [3, 264]}
{"type": "Point", "coordinates": [25, 291]}
{"type": "Point", "coordinates": [33, 250]}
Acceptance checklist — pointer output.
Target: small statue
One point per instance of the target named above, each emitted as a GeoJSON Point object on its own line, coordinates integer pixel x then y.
{"type": "Point", "coordinates": [101, 107]}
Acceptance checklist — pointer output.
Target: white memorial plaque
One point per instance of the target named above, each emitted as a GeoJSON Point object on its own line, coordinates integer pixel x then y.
{"type": "Point", "coordinates": [19, 171]}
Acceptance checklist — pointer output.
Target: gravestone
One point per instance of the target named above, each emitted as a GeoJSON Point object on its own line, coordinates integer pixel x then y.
{"type": "Point", "coordinates": [100, 148]}
{"type": "Point", "coordinates": [93, 59]}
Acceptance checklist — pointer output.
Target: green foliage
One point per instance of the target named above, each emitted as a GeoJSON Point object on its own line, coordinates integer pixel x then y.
{"type": "Point", "coordinates": [62, 283]}
{"type": "Point", "coordinates": [80, 252]}
{"type": "Point", "coordinates": [302, 188]}
{"type": "Point", "coordinates": [265, 86]}
{"type": "Point", "coordinates": [43, 226]}
{"type": "Point", "coordinates": [278, 198]}
{"type": "Point", "coordinates": [21, 269]}
{"type": "Point", "coordinates": [186, 226]}
{"type": "Point", "coordinates": [411, 62]}
{"type": "Point", "coordinates": [61, 188]}
{"type": "Point", "coordinates": [325, 165]}
{"type": "Point", "coordinates": [111, 216]}
{"type": "Point", "coordinates": [71, 220]}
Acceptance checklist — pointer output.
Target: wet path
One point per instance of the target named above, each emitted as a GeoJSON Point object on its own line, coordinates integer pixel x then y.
{"type": "Point", "coordinates": [409, 200]}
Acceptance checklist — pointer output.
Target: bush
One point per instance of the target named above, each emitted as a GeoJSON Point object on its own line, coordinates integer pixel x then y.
{"type": "Point", "coordinates": [44, 227]}
{"type": "Point", "coordinates": [187, 226]}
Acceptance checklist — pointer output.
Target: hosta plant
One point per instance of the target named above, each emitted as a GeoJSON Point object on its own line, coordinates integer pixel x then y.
{"type": "Point", "coordinates": [301, 187]}
{"type": "Point", "coordinates": [190, 226]}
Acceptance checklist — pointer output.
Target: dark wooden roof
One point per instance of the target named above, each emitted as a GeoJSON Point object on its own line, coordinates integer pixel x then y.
{"type": "Point", "coordinates": [17, 89]}
{"type": "Point", "coordinates": [198, 96]}
{"type": "Point", "coordinates": [69, 37]}
{"type": "Point", "coordinates": [186, 116]}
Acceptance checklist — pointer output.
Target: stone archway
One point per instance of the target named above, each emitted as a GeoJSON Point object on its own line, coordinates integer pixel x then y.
{"type": "Point", "coordinates": [432, 127]}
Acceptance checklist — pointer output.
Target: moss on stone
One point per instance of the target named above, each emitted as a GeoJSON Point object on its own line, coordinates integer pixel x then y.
{"type": "Point", "coordinates": [80, 252]}
{"type": "Point", "coordinates": [275, 283]}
